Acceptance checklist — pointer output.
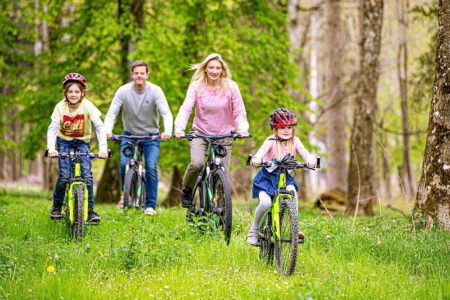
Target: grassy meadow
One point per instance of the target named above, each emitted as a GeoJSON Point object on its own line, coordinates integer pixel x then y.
{"type": "Point", "coordinates": [139, 257]}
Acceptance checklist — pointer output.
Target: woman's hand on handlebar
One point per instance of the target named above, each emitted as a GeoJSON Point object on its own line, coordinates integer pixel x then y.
{"type": "Point", "coordinates": [179, 134]}
{"type": "Point", "coordinates": [243, 133]}
{"type": "Point", "coordinates": [103, 154]}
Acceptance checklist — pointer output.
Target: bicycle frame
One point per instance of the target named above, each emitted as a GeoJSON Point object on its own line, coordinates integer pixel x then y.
{"type": "Point", "coordinates": [275, 208]}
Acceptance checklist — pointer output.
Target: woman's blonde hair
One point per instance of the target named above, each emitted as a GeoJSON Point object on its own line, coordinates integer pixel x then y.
{"type": "Point", "coordinates": [289, 145]}
{"type": "Point", "coordinates": [200, 75]}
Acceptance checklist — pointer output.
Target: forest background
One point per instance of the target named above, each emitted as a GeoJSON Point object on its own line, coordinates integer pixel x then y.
{"type": "Point", "coordinates": [358, 74]}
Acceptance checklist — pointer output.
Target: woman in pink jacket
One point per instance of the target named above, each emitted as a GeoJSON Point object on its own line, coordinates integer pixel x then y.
{"type": "Point", "coordinates": [219, 109]}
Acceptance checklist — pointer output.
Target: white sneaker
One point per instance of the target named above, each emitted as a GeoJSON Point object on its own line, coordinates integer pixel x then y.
{"type": "Point", "coordinates": [149, 211]}
{"type": "Point", "coordinates": [252, 237]}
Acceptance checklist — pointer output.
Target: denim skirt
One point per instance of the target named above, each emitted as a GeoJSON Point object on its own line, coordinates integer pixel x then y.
{"type": "Point", "coordinates": [268, 182]}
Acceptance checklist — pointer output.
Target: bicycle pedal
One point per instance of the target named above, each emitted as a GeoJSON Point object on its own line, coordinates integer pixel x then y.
{"type": "Point", "coordinates": [93, 223]}
{"type": "Point", "coordinates": [55, 218]}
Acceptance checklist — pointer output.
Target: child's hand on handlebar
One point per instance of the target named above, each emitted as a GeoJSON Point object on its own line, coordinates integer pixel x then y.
{"type": "Point", "coordinates": [255, 162]}
{"type": "Point", "coordinates": [53, 153]}
{"type": "Point", "coordinates": [109, 135]}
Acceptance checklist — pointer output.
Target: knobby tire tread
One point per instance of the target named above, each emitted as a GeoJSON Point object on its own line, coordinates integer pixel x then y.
{"type": "Point", "coordinates": [219, 175]}
{"type": "Point", "coordinates": [286, 262]}
{"type": "Point", "coordinates": [78, 214]}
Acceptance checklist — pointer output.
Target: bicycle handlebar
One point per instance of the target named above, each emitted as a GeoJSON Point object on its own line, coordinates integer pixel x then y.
{"type": "Point", "coordinates": [269, 164]}
{"type": "Point", "coordinates": [77, 154]}
{"type": "Point", "coordinates": [214, 137]}
{"type": "Point", "coordinates": [136, 137]}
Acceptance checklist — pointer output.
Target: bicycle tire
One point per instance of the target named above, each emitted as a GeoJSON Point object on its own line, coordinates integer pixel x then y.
{"type": "Point", "coordinates": [129, 188]}
{"type": "Point", "coordinates": [197, 210]}
{"type": "Point", "coordinates": [266, 246]}
{"type": "Point", "coordinates": [222, 203]}
{"type": "Point", "coordinates": [78, 214]}
{"type": "Point", "coordinates": [286, 248]}
{"type": "Point", "coordinates": [142, 197]}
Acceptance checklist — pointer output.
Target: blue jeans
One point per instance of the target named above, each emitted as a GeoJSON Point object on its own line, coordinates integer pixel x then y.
{"type": "Point", "coordinates": [65, 169]}
{"type": "Point", "coordinates": [151, 154]}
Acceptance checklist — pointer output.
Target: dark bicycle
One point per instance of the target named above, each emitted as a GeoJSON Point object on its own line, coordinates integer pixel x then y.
{"type": "Point", "coordinates": [211, 203]}
{"type": "Point", "coordinates": [134, 185]}
{"type": "Point", "coordinates": [278, 230]}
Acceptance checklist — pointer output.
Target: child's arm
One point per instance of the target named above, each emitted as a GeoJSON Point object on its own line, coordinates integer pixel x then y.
{"type": "Point", "coordinates": [263, 150]}
{"type": "Point", "coordinates": [52, 132]}
{"type": "Point", "coordinates": [101, 136]}
{"type": "Point", "coordinates": [307, 157]}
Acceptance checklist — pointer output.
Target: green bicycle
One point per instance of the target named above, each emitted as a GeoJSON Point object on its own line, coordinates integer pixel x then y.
{"type": "Point", "coordinates": [278, 230]}
{"type": "Point", "coordinates": [75, 204]}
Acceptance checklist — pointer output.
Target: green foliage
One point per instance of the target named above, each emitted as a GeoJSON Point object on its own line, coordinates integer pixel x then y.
{"type": "Point", "coordinates": [250, 35]}
{"type": "Point", "coordinates": [132, 255]}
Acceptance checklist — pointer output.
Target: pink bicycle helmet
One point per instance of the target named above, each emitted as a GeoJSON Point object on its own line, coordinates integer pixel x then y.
{"type": "Point", "coordinates": [75, 77]}
{"type": "Point", "coordinates": [282, 117]}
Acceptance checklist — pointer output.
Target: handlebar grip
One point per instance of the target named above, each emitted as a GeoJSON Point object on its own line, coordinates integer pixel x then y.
{"type": "Point", "coordinates": [247, 163]}
{"type": "Point", "coordinates": [318, 162]}
{"type": "Point", "coordinates": [46, 153]}
{"type": "Point", "coordinates": [109, 153]}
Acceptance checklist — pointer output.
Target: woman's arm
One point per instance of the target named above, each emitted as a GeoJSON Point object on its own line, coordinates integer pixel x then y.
{"type": "Point", "coordinates": [185, 110]}
{"type": "Point", "coordinates": [239, 113]}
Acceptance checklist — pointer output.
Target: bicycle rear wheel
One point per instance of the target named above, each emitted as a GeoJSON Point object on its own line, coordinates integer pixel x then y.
{"type": "Point", "coordinates": [78, 213]}
{"type": "Point", "coordinates": [286, 247]}
{"type": "Point", "coordinates": [265, 239]}
{"type": "Point", "coordinates": [223, 214]}
{"type": "Point", "coordinates": [129, 188]}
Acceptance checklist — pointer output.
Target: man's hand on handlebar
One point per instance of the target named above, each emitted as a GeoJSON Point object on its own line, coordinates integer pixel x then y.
{"type": "Point", "coordinates": [165, 136]}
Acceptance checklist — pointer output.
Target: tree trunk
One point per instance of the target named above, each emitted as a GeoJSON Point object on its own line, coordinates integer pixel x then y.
{"type": "Point", "coordinates": [433, 194]}
{"type": "Point", "coordinates": [361, 175]}
{"type": "Point", "coordinates": [314, 87]}
{"type": "Point", "coordinates": [173, 198]}
{"type": "Point", "coordinates": [402, 70]}
{"type": "Point", "coordinates": [385, 167]}
{"type": "Point", "coordinates": [335, 107]}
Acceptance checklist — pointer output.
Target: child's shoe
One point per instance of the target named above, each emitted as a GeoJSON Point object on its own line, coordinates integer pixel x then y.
{"type": "Point", "coordinates": [252, 237]}
{"type": "Point", "coordinates": [55, 212]}
{"type": "Point", "coordinates": [93, 217]}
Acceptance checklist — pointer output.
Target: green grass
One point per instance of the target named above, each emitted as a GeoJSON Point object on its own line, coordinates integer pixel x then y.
{"type": "Point", "coordinates": [135, 256]}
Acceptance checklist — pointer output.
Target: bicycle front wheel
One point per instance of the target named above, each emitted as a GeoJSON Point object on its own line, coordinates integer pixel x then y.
{"type": "Point", "coordinates": [129, 188]}
{"type": "Point", "coordinates": [141, 194]}
{"type": "Point", "coordinates": [78, 214]}
{"type": "Point", "coordinates": [286, 247]}
{"type": "Point", "coordinates": [223, 214]}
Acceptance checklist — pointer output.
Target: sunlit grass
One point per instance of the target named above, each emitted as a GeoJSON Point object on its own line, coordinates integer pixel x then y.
{"type": "Point", "coordinates": [135, 256]}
